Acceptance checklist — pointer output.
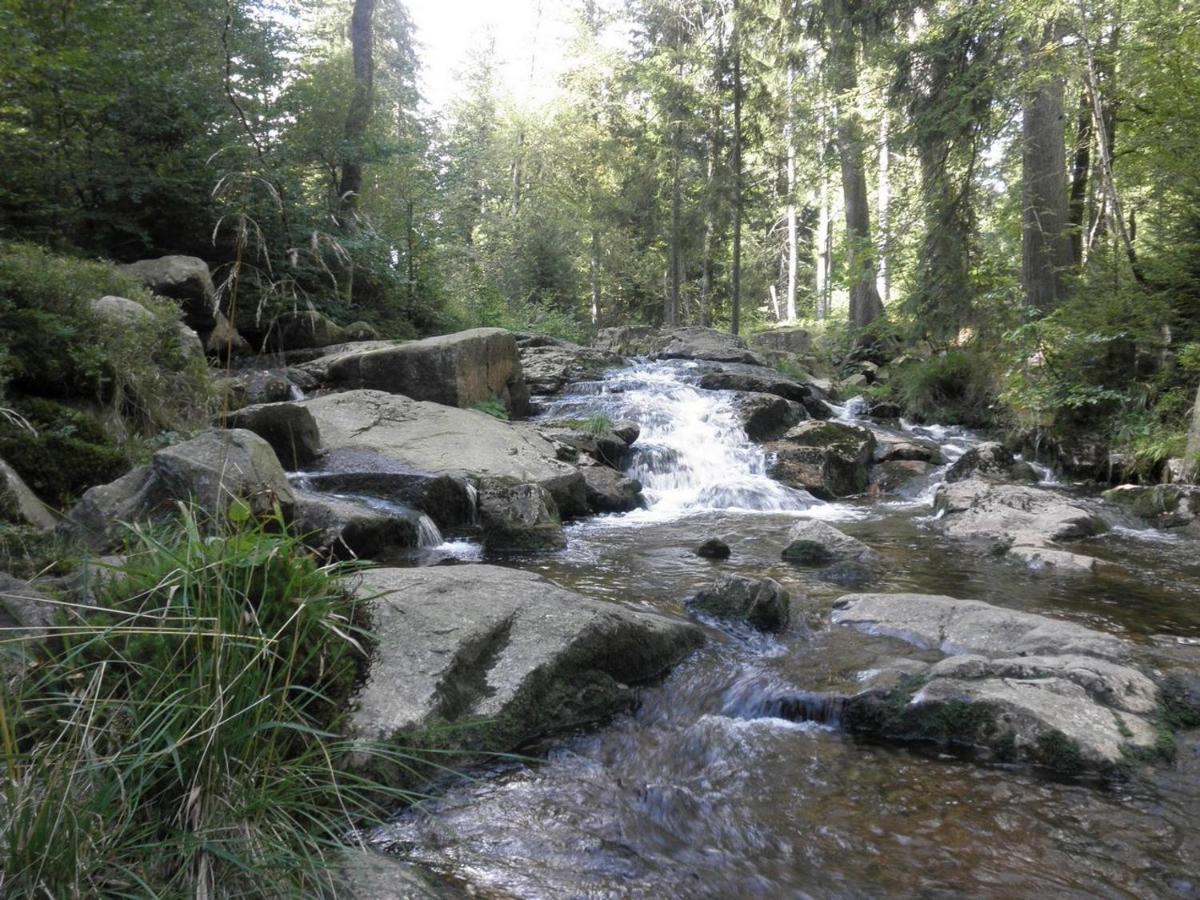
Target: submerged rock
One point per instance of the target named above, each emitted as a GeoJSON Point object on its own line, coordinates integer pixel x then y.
{"type": "Point", "coordinates": [1015, 686]}
{"type": "Point", "coordinates": [441, 440]}
{"type": "Point", "coordinates": [714, 548]}
{"type": "Point", "coordinates": [762, 602]}
{"type": "Point", "coordinates": [815, 543]}
{"type": "Point", "coordinates": [489, 658]}
{"type": "Point", "coordinates": [463, 369]}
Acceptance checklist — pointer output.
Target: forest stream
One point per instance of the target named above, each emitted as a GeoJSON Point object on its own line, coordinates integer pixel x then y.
{"type": "Point", "coordinates": [733, 777]}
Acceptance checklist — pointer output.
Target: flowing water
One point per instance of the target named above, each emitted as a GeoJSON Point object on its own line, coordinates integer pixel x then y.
{"type": "Point", "coordinates": [732, 778]}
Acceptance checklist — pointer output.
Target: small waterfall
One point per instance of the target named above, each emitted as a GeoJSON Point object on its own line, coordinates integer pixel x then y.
{"type": "Point", "coordinates": [693, 453]}
{"type": "Point", "coordinates": [751, 698]}
{"type": "Point", "coordinates": [428, 534]}
{"type": "Point", "coordinates": [294, 392]}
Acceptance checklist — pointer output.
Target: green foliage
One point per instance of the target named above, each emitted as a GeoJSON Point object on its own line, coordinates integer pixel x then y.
{"type": "Point", "coordinates": [493, 408]}
{"type": "Point", "coordinates": [181, 739]}
{"type": "Point", "coordinates": [958, 386]}
{"type": "Point", "coordinates": [26, 551]}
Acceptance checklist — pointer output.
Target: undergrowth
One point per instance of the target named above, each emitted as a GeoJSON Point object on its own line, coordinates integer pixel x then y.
{"type": "Point", "coordinates": [179, 736]}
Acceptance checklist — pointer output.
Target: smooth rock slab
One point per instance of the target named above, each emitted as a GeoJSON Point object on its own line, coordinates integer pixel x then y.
{"type": "Point", "coordinates": [462, 369]}
{"type": "Point", "coordinates": [1016, 686]}
{"type": "Point", "coordinates": [971, 626]}
{"type": "Point", "coordinates": [442, 440]}
{"type": "Point", "coordinates": [503, 653]}
{"type": "Point", "coordinates": [1000, 516]}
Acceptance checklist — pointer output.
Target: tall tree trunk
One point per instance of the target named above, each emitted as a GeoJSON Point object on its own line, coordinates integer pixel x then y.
{"type": "Point", "coordinates": [1080, 166]}
{"type": "Point", "coordinates": [865, 305]}
{"type": "Point", "coordinates": [824, 242]}
{"type": "Point", "coordinates": [594, 274]}
{"type": "Point", "coordinates": [706, 271]}
{"type": "Point", "coordinates": [738, 199]}
{"type": "Point", "coordinates": [1046, 254]}
{"type": "Point", "coordinates": [671, 307]}
{"type": "Point", "coordinates": [789, 137]}
{"type": "Point", "coordinates": [943, 278]}
{"type": "Point", "coordinates": [884, 208]}
{"type": "Point", "coordinates": [358, 116]}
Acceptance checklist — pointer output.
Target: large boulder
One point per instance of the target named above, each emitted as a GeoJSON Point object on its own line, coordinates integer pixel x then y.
{"type": "Point", "coordinates": [211, 470]}
{"type": "Point", "coordinates": [289, 428]}
{"type": "Point", "coordinates": [785, 340]}
{"type": "Point", "coordinates": [434, 439]}
{"type": "Point", "coordinates": [254, 386]}
{"type": "Point", "coordinates": [997, 517]}
{"type": "Point", "coordinates": [494, 657]}
{"type": "Point", "coordinates": [185, 279]}
{"type": "Point", "coordinates": [550, 364]}
{"type": "Point", "coordinates": [519, 518]}
{"type": "Point", "coordinates": [686, 342]}
{"type": "Point", "coordinates": [989, 461]}
{"type": "Point", "coordinates": [893, 445]}
{"type": "Point", "coordinates": [760, 379]}
{"type": "Point", "coordinates": [829, 459]}
{"type": "Point", "coordinates": [608, 491]}
{"type": "Point", "coordinates": [1160, 505]}
{"type": "Point", "coordinates": [766, 416]}
{"type": "Point", "coordinates": [463, 370]}
{"type": "Point", "coordinates": [354, 527]}
{"type": "Point", "coordinates": [816, 543]}
{"type": "Point", "coordinates": [19, 505]}
{"type": "Point", "coordinates": [1013, 685]}
{"type": "Point", "coordinates": [901, 476]}
{"type": "Point", "coordinates": [760, 602]}
{"type": "Point", "coordinates": [123, 311]}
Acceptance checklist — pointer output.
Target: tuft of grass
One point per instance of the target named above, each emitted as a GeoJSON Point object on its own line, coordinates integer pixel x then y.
{"type": "Point", "coordinates": [598, 424]}
{"type": "Point", "coordinates": [180, 734]}
{"type": "Point", "coordinates": [493, 408]}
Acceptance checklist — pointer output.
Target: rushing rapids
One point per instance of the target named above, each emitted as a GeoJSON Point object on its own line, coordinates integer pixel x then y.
{"type": "Point", "coordinates": [734, 777]}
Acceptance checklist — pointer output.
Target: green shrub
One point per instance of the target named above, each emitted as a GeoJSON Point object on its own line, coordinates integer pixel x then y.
{"type": "Point", "coordinates": [493, 408]}
{"type": "Point", "coordinates": [955, 387]}
{"type": "Point", "coordinates": [67, 451]}
{"type": "Point", "coordinates": [56, 346]}
{"type": "Point", "coordinates": [182, 739]}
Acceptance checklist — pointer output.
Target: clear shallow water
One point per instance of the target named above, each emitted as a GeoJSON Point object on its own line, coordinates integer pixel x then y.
{"type": "Point", "coordinates": [703, 792]}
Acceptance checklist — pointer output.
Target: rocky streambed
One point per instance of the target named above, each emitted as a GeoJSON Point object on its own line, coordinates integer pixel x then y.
{"type": "Point", "coordinates": [906, 662]}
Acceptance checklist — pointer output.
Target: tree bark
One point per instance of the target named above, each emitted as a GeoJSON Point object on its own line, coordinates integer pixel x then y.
{"type": "Point", "coordinates": [1080, 166]}
{"type": "Point", "coordinates": [738, 199]}
{"type": "Point", "coordinates": [789, 137]}
{"type": "Point", "coordinates": [1046, 254]}
{"type": "Point", "coordinates": [358, 116]}
{"type": "Point", "coordinates": [884, 207]}
{"type": "Point", "coordinates": [865, 305]}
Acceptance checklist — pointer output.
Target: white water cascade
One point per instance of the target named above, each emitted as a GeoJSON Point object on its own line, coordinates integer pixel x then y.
{"type": "Point", "coordinates": [693, 454]}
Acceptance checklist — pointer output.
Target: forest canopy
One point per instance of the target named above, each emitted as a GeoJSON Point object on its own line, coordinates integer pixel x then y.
{"type": "Point", "coordinates": [1018, 179]}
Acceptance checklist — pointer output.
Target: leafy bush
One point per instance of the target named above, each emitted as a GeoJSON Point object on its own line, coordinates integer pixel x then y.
{"type": "Point", "coordinates": [56, 346]}
{"type": "Point", "coordinates": [58, 356]}
{"type": "Point", "coordinates": [956, 387]}
{"type": "Point", "coordinates": [493, 408]}
{"type": "Point", "coordinates": [182, 740]}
